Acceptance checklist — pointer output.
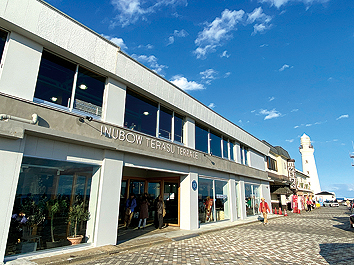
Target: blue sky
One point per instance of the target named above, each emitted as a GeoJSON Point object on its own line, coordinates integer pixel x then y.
{"type": "Point", "coordinates": [276, 68]}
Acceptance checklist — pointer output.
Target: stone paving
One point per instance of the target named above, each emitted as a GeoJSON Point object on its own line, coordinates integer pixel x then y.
{"type": "Point", "coordinates": [322, 236]}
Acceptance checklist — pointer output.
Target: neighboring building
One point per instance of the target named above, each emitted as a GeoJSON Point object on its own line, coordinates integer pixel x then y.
{"type": "Point", "coordinates": [308, 162]}
{"type": "Point", "coordinates": [325, 196]}
{"type": "Point", "coordinates": [303, 189]}
{"type": "Point", "coordinates": [278, 174]}
{"type": "Point", "coordinates": [82, 122]}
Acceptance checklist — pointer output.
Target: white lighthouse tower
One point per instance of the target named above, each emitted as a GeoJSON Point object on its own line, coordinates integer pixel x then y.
{"type": "Point", "coordinates": [308, 163]}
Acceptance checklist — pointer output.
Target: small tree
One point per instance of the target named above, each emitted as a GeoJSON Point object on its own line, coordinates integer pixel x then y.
{"type": "Point", "coordinates": [54, 206]}
{"type": "Point", "coordinates": [77, 214]}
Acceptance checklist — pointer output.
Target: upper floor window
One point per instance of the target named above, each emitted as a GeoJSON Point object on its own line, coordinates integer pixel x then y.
{"type": "Point", "coordinates": [201, 138]}
{"type": "Point", "coordinates": [143, 115]}
{"type": "Point", "coordinates": [231, 144]}
{"type": "Point", "coordinates": [215, 144]}
{"type": "Point", "coordinates": [61, 82]}
{"type": "Point", "coordinates": [225, 149]}
{"type": "Point", "coordinates": [3, 36]}
{"type": "Point", "coordinates": [244, 155]}
{"type": "Point", "coordinates": [272, 164]}
{"type": "Point", "coordinates": [140, 113]}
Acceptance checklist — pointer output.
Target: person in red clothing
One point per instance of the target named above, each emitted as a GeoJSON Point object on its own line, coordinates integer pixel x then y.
{"type": "Point", "coordinates": [264, 209]}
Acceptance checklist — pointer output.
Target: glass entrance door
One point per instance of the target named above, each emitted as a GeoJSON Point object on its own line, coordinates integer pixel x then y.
{"type": "Point", "coordinates": [154, 189]}
{"type": "Point", "coordinates": [171, 202]}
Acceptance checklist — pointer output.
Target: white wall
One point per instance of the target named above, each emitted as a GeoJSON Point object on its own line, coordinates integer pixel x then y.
{"type": "Point", "coordinates": [21, 64]}
{"type": "Point", "coordinates": [11, 154]}
{"type": "Point", "coordinates": [256, 160]}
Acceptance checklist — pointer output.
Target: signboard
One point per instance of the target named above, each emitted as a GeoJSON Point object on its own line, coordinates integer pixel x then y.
{"type": "Point", "coordinates": [194, 185]}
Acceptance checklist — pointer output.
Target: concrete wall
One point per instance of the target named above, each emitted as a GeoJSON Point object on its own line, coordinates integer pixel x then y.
{"type": "Point", "coordinates": [256, 160]}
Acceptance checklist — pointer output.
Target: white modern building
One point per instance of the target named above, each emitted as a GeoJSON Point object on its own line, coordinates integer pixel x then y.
{"type": "Point", "coordinates": [82, 123]}
{"type": "Point", "coordinates": [309, 163]}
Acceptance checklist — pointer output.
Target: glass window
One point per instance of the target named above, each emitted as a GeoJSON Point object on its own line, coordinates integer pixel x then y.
{"type": "Point", "coordinates": [222, 204]}
{"type": "Point", "coordinates": [178, 129]}
{"type": "Point", "coordinates": [140, 113]}
{"type": "Point", "coordinates": [205, 200]}
{"type": "Point", "coordinates": [246, 159]}
{"type": "Point", "coordinates": [55, 80]}
{"type": "Point", "coordinates": [165, 126]}
{"type": "Point", "coordinates": [89, 92]}
{"type": "Point", "coordinates": [232, 151]}
{"type": "Point", "coordinates": [137, 188]}
{"type": "Point", "coordinates": [201, 138]}
{"type": "Point", "coordinates": [3, 36]}
{"type": "Point", "coordinates": [252, 199]}
{"type": "Point", "coordinates": [215, 145]}
{"type": "Point", "coordinates": [225, 150]}
{"type": "Point", "coordinates": [46, 191]}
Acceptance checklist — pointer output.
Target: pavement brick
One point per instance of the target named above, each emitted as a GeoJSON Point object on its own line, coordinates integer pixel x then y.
{"type": "Point", "coordinates": [322, 236]}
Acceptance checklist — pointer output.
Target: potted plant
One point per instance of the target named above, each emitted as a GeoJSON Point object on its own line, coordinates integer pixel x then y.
{"type": "Point", "coordinates": [77, 214]}
{"type": "Point", "coordinates": [54, 206]}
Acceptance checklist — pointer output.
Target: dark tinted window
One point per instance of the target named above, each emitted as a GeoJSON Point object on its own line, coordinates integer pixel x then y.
{"type": "Point", "coordinates": [215, 144]}
{"type": "Point", "coordinates": [178, 123]}
{"type": "Point", "coordinates": [3, 36]}
{"type": "Point", "coordinates": [55, 79]}
{"type": "Point", "coordinates": [201, 138]}
{"type": "Point", "coordinates": [232, 151]}
{"type": "Point", "coordinates": [89, 92]}
{"type": "Point", "coordinates": [165, 128]}
{"type": "Point", "coordinates": [225, 152]}
{"type": "Point", "coordinates": [140, 113]}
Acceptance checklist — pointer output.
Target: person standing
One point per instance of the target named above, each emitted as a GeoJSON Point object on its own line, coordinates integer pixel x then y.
{"type": "Point", "coordinates": [144, 211]}
{"type": "Point", "coordinates": [129, 210]}
{"type": "Point", "coordinates": [160, 211]}
{"type": "Point", "coordinates": [309, 205]}
{"type": "Point", "coordinates": [264, 209]}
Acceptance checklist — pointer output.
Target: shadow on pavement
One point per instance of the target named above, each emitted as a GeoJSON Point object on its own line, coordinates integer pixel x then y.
{"type": "Point", "coordinates": [338, 253]}
{"type": "Point", "coordinates": [344, 223]}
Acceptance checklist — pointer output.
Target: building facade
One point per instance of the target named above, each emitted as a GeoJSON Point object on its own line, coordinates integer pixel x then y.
{"type": "Point", "coordinates": [83, 124]}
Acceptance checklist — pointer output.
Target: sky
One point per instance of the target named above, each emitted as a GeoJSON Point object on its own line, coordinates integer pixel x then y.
{"type": "Point", "coordinates": [276, 68]}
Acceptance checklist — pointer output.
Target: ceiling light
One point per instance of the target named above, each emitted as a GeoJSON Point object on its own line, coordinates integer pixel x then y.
{"type": "Point", "coordinates": [83, 86]}
{"type": "Point", "coordinates": [54, 99]}
{"type": "Point", "coordinates": [146, 113]}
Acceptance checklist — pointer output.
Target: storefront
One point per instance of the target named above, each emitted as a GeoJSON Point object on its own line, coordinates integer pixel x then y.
{"type": "Point", "coordinates": [81, 130]}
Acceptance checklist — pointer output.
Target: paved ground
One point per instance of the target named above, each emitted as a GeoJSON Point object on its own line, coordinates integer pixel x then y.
{"type": "Point", "coordinates": [322, 236]}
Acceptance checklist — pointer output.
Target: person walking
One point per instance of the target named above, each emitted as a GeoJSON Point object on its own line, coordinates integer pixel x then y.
{"type": "Point", "coordinates": [160, 211]}
{"type": "Point", "coordinates": [309, 205]}
{"type": "Point", "coordinates": [264, 209]}
{"type": "Point", "coordinates": [129, 210]}
{"type": "Point", "coordinates": [144, 211]}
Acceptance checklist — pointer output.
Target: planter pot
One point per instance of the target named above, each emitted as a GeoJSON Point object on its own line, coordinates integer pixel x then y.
{"type": "Point", "coordinates": [75, 240]}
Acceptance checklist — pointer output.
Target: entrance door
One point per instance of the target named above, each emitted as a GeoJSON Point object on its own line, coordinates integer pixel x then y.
{"type": "Point", "coordinates": [153, 191]}
{"type": "Point", "coordinates": [171, 202]}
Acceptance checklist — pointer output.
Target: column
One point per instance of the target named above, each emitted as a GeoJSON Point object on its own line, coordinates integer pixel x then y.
{"type": "Point", "coordinates": [109, 188]}
{"type": "Point", "coordinates": [11, 154]}
{"type": "Point", "coordinates": [233, 199]}
{"type": "Point", "coordinates": [189, 202]}
{"type": "Point", "coordinates": [114, 102]}
{"type": "Point", "coordinates": [241, 200]}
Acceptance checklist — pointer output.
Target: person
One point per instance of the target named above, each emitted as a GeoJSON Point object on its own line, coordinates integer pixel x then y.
{"type": "Point", "coordinates": [348, 204]}
{"type": "Point", "coordinates": [208, 209]}
{"type": "Point", "coordinates": [144, 211]}
{"type": "Point", "coordinates": [264, 209]}
{"type": "Point", "coordinates": [129, 210]}
{"type": "Point", "coordinates": [160, 211]}
{"type": "Point", "coordinates": [309, 205]}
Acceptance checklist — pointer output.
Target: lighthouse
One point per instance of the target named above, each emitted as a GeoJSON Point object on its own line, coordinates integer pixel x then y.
{"type": "Point", "coordinates": [308, 163]}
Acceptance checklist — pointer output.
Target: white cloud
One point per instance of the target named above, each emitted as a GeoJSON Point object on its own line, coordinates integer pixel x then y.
{"type": "Point", "coordinates": [147, 46]}
{"type": "Point", "coordinates": [308, 125]}
{"type": "Point", "coordinates": [226, 75]}
{"type": "Point", "coordinates": [294, 110]}
{"type": "Point", "coordinates": [259, 16]}
{"type": "Point", "coordinates": [297, 126]}
{"type": "Point", "coordinates": [279, 3]}
{"type": "Point", "coordinates": [253, 111]}
{"type": "Point", "coordinates": [225, 54]}
{"type": "Point", "coordinates": [212, 105]}
{"type": "Point", "coordinates": [130, 11]}
{"type": "Point", "coordinates": [117, 41]}
{"type": "Point", "coordinates": [186, 85]}
{"type": "Point", "coordinates": [180, 34]}
{"type": "Point", "coordinates": [263, 45]}
{"type": "Point", "coordinates": [208, 74]}
{"type": "Point", "coordinates": [343, 116]}
{"type": "Point", "coordinates": [217, 31]}
{"type": "Point", "coordinates": [284, 67]}
{"type": "Point", "coordinates": [271, 98]}
{"type": "Point", "coordinates": [151, 62]}
{"type": "Point", "coordinates": [270, 114]}
{"type": "Point", "coordinates": [290, 141]}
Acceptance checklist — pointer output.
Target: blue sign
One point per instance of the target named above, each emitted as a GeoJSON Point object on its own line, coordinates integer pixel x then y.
{"type": "Point", "coordinates": [194, 185]}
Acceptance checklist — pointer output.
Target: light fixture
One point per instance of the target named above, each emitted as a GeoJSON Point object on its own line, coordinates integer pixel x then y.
{"type": "Point", "coordinates": [54, 99]}
{"type": "Point", "coordinates": [83, 86]}
{"type": "Point", "coordinates": [146, 113]}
